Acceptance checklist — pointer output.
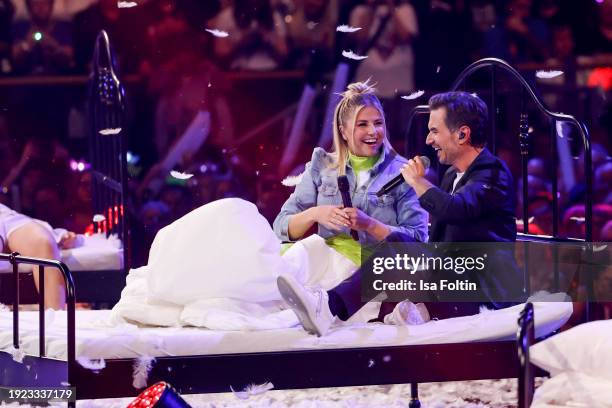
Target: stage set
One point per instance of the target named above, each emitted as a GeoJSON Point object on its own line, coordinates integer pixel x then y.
{"type": "Point", "coordinates": [94, 349]}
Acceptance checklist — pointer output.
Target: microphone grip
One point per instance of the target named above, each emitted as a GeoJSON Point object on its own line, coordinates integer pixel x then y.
{"type": "Point", "coordinates": [343, 186]}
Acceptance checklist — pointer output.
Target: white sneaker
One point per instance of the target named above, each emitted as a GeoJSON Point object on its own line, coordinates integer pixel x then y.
{"type": "Point", "coordinates": [407, 313]}
{"type": "Point", "coordinates": [309, 305]}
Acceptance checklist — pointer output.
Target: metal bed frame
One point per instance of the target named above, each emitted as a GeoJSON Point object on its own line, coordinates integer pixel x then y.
{"type": "Point", "coordinates": [286, 370]}
{"type": "Point", "coordinates": [109, 183]}
{"type": "Point", "coordinates": [300, 369]}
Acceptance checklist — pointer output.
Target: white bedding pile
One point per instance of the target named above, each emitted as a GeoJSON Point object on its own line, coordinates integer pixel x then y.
{"type": "Point", "coordinates": [217, 266]}
{"type": "Point", "coordinates": [580, 362]}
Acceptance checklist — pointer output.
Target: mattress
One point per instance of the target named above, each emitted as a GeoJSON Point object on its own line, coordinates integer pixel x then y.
{"type": "Point", "coordinates": [97, 253]}
{"type": "Point", "coordinates": [98, 337]}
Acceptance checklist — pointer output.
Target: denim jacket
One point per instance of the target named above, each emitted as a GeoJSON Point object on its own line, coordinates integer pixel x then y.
{"type": "Point", "coordinates": [400, 209]}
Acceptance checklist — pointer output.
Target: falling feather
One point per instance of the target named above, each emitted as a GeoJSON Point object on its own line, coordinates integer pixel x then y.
{"type": "Point", "coordinates": [217, 33]}
{"type": "Point", "coordinates": [92, 364]}
{"type": "Point", "coordinates": [252, 389]}
{"type": "Point", "coordinates": [579, 220]}
{"type": "Point", "coordinates": [413, 95]}
{"type": "Point", "coordinates": [292, 181]}
{"type": "Point", "coordinates": [347, 29]}
{"type": "Point", "coordinates": [18, 354]}
{"type": "Point", "coordinates": [180, 176]}
{"type": "Point", "coordinates": [142, 366]}
{"type": "Point", "coordinates": [99, 218]}
{"type": "Point", "coordinates": [351, 55]}
{"type": "Point", "coordinates": [530, 221]}
{"type": "Point", "coordinates": [548, 74]}
{"type": "Point", "coordinates": [110, 131]}
{"type": "Point", "coordinates": [126, 4]}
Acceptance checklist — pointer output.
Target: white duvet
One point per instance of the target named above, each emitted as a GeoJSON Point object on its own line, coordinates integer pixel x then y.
{"type": "Point", "coordinates": [216, 267]}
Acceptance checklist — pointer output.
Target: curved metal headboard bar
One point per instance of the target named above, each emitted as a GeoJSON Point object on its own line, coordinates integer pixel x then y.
{"type": "Point", "coordinates": [487, 62]}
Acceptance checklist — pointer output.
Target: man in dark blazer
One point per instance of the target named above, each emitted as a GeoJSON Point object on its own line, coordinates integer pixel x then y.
{"type": "Point", "coordinates": [475, 203]}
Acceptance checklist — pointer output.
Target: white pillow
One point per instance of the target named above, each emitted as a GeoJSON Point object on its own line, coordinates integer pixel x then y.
{"type": "Point", "coordinates": [224, 249]}
{"type": "Point", "coordinates": [586, 348]}
{"type": "Point", "coordinates": [573, 389]}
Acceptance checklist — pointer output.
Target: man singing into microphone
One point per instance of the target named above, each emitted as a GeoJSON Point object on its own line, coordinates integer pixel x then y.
{"type": "Point", "coordinates": [475, 203]}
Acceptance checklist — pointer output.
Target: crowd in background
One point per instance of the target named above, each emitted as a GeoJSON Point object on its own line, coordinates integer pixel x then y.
{"type": "Point", "coordinates": [183, 70]}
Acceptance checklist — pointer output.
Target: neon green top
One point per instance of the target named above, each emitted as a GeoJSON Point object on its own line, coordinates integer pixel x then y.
{"type": "Point", "coordinates": [359, 163]}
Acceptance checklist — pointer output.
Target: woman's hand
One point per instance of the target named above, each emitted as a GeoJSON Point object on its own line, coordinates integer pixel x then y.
{"type": "Point", "coordinates": [333, 217]}
{"type": "Point", "coordinates": [359, 221]}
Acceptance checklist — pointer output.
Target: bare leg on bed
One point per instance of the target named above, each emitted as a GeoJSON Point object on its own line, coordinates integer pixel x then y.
{"type": "Point", "coordinates": [33, 240]}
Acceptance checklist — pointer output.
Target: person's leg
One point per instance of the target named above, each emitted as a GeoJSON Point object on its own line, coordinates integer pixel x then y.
{"type": "Point", "coordinates": [31, 239]}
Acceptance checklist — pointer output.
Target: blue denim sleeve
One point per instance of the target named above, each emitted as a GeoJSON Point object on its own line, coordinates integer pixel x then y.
{"type": "Point", "coordinates": [412, 219]}
{"type": "Point", "coordinates": [303, 198]}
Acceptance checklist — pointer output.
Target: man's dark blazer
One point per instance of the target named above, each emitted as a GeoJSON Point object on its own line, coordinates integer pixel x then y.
{"type": "Point", "coordinates": [480, 210]}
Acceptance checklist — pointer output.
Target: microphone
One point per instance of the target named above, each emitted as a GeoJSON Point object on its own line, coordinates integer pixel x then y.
{"type": "Point", "coordinates": [343, 186]}
{"type": "Point", "coordinates": [399, 179]}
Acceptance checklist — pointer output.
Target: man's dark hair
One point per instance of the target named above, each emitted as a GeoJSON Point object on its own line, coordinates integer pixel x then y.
{"type": "Point", "coordinates": [463, 109]}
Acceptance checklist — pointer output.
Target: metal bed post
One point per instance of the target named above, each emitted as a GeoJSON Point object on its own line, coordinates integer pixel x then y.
{"type": "Point", "coordinates": [414, 396]}
{"type": "Point", "coordinates": [554, 176]}
{"type": "Point", "coordinates": [13, 261]}
{"type": "Point", "coordinates": [525, 338]}
{"type": "Point", "coordinates": [493, 114]}
{"type": "Point", "coordinates": [41, 311]}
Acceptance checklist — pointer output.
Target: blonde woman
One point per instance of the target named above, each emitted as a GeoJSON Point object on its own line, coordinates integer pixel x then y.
{"type": "Point", "coordinates": [363, 153]}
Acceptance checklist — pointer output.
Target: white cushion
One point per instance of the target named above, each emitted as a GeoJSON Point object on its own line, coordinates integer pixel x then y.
{"type": "Point", "coordinates": [586, 348]}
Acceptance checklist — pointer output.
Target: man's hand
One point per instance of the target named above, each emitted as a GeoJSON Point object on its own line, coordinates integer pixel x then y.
{"type": "Point", "coordinates": [414, 174]}
{"type": "Point", "coordinates": [413, 170]}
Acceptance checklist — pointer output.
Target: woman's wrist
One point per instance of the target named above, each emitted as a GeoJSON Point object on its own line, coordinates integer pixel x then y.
{"type": "Point", "coordinates": [313, 214]}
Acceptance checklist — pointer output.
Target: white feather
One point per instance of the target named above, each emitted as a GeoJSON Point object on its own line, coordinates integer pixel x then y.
{"type": "Point", "coordinates": [530, 220]}
{"type": "Point", "coordinates": [484, 310]}
{"type": "Point", "coordinates": [351, 55]}
{"type": "Point", "coordinates": [18, 354]}
{"type": "Point", "coordinates": [579, 220]}
{"type": "Point", "coordinates": [180, 176]}
{"type": "Point", "coordinates": [99, 218]}
{"type": "Point", "coordinates": [414, 95]}
{"type": "Point", "coordinates": [217, 33]}
{"type": "Point", "coordinates": [548, 74]}
{"type": "Point", "coordinates": [142, 366]}
{"type": "Point", "coordinates": [110, 131]}
{"type": "Point", "coordinates": [126, 4]}
{"type": "Point", "coordinates": [347, 29]}
{"type": "Point", "coordinates": [4, 308]}
{"type": "Point", "coordinates": [599, 248]}
{"type": "Point", "coordinates": [292, 181]}
{"type": "Point", "coordinates": [92, 364]}
{"type": "Point", "coordinates": [252, 389]}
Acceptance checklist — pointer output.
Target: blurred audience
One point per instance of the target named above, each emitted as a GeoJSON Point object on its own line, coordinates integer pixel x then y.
{"type": "Point", "coordinates": [311, 29]}
{"type": "Point", "coordinates": [257, 39]}
{"type": "Point", "coordinates": [6, 16]}
{"type": "Point", "coordinates": [42, 44]}
{"type": "Point", "coordinates": [125, 27]}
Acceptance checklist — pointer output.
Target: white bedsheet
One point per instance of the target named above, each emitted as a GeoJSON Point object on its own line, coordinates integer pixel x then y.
{"type": "Point", "coordinates": [97, 337]}
{"type": "Point", "coordinates": [97, 253]}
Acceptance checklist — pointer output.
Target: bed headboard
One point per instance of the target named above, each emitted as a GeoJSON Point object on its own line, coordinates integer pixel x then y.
{"type": "Point", "coordinates": [108, 145]}
{"type": "Point", "coordinates": [495, 67]}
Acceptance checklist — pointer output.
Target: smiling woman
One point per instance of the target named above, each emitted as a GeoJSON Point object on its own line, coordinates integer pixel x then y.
{"type": "Point", "coordinates": [362, 153]}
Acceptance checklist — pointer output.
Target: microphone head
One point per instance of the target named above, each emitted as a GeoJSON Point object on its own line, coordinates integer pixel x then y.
{"type": "Point", "coordinates": [426, 162]}
{"type": "Point", "coordinates": [343, 183]}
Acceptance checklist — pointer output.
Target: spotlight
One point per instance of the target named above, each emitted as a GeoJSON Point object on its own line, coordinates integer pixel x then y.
{"type": "Point", "coordinates": [160, 395]}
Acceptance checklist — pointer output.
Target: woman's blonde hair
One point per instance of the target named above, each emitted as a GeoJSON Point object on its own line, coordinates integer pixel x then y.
{"type": "Point", "coordinates": [357, 96]}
